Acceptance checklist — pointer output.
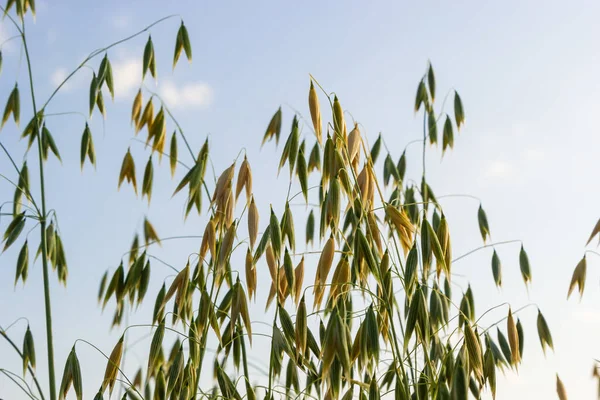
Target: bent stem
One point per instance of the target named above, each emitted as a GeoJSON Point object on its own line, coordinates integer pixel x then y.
{"type": "Point", "coordinates": [31, 371]}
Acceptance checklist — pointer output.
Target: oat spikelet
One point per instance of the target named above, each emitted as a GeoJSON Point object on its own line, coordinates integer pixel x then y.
{"type": "Point", "coordinates": [363, 182]}
{"type": "Point", "coordinates": [136, 108]}
{"type": "Point", "coordinates": [374, 229]}
{"type": "Point", "coordinates": [298, 279]}
{"type": "Point", "coordinates": [474, 351]}
{"type": "Point", "coordinates": [354, 142]}
{"type": "Point", "coordinates": [513, 338]}
{"type": "Point", "coordinates": [323, 267]}
{"type": "Point", "coordinates": [243, 176]}
{"type": "Point", "coordinates": [315, 112]}
{"type": "Point", "coordinates": [560, 389]}
{"type": "Point", "coordinates": [253, 219]}
{"type": "Point", "coordinates": [283, 286]}
{"type": "Point", "coordinates": [271, 263]}
{"type": "Point", "coordinates": [339, 124]}
{"type": "Point", "coordinates": [112, 367]}
{"type": "Point", "coordinates": [340, 280]}
{"type": "Point", "coordinates": [578, 278]}
{"type": "Point", "coordinates": [222, 183]}
{"type": "Point", "coordinates": [209, 240]}
{"type": "Point", "coordinates": [147, 118]}
{"type": "Point", "coordinates": [250, 274]}
{"type": "Point", "coordinates": [301, 331]}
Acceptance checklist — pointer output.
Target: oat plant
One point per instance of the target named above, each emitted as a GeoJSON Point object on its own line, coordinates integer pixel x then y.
{"type": "Point", "coordinates": [376, 316]}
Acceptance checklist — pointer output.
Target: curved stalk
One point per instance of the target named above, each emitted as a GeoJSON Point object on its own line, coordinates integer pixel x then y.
{"type": "Point", "coordinates": [31, 371]}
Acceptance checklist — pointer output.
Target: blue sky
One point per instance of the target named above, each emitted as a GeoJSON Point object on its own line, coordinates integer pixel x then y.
{"type": "Point", "coordinates": [528, 76]}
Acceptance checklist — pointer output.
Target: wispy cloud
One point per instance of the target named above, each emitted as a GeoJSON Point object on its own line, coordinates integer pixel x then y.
{"type": "Point", "coordinates": [190, 95]}
{"type": "Point", "coordinates": [499, 169]}
{"type": "Point", "coordinates": [58, 76]}
{"type": "Point", "coordinates": [528, 162]}
{"type": "Point", "coordinates": [127, 74]}
{"type": "Point", "coordinates": [121, 21]}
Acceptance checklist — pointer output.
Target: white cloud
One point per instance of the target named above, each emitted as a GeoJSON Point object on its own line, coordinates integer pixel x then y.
{"type": "Point", "coordinates": [121, 21]}
{"type": "Point", "coordinates": [499, 169]}
{"type": "Point", "coordinates": [127, 75]}
{"type": "Point", "coordinates": [190, 95]}
{"type": "Point", "coordinates": [58, 76]}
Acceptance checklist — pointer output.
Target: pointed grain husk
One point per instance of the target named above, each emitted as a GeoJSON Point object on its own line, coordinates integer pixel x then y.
{"type": "Point", "coordinates": [354, 143]}
{"type": "Point", "coordinates": [484, 228]}
{"type": "Point", "coordinates": [244, 179]}
{"type": "Point", "coordinates": [513, 338]}
{"type": "Point", "coordinates": [209, 241]}
{"type": "Point", "coordinates": [339, 124]}
{"type": "Point", "coordinates": [474, 351]}
{"type": "Point", "coordinates": [374, 231]}
{"type": "Point", "coordinates": [524, 266]}
{"type": "Point", "coordinates": [403, 226]}
{"type": "Point", "coordinates": [275, 230]}
{"type": "Point", "coordinates": [222, 183]}
{"type": "Point", "coordinates": [459, 113]}
{"type": "Point", "coordinates": [28, 350]}
{"type": "Point", "coordinates": [155, 347]}
{"type": "Point", "coordinates": [544, 332]}
{"type": "Point", "coordinates": [127, 170]}
{"type": "Point", "coordinates": [112, 367]}
{"type": "Point", "coordinates": [253, 219]}
{"type": "Point", "coordinates": [315, 112]}
{"type": "Point", "coordinates": [240, 305]}
{"type": "Point", "coordinates": [283, 286]}
{"type": "Point", "coordinates": [443, 235]}
{"type": "Point", "coordinates": [595, 231]}
{"type": "Point", "coordinates": [340, 281]}
{"type": "Point", "coordinates": [325, 262]}
{"type": "Point", "coordinates": [274, 128]}
{"type": "Point", "coordinates": [150, 235]}
{"type": "Point", "coordinates": [67, 380]}
{"type": "Point", "coordinates": [250, 274]}
{"type": "Point", "coordinates": [578, 278]}
{"type": "Point", "coordinates": [314, 159]}
{"type": "Point", "coordinates": [298, 280]}
{"type": "Point", "coordinates": [301, 327]}
{"type": "Point", "coordinates": [497, 269]}
{"type": "Point", "coordinates": [76, 374]}
{"type": "Point", "coordinates": [363, 182]}
{"type": "Point", "coordinates": [147, 117]}
{"type": "Point", "coordinates": [271, 263]}
{"type": "Point", "coordinates": [288, 230]}
{"type": "Point", "coordinates": [148, 179]}
{"type": "Point", "coordinates": [560, 389]}
{"type": "Point", "coordinates": [136, 109]}
{"type": "Point", "coordinates": [179, 284]}
{"type": "Point", "coordinates": [225, 250]}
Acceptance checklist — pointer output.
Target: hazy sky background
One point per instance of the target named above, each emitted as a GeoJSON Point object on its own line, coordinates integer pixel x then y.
{"type": "Point", "coordinates": [528, 76]}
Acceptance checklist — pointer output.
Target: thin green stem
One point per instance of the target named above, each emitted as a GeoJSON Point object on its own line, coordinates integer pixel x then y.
{"type": "Point", "coordinates": [48, 308]}
{"type": "Point", "coordinates": [485, 247]}
{"type": "Point", "coordinates": [99, 51]}
{"type": "Point", "coordinates": [13, 377]}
